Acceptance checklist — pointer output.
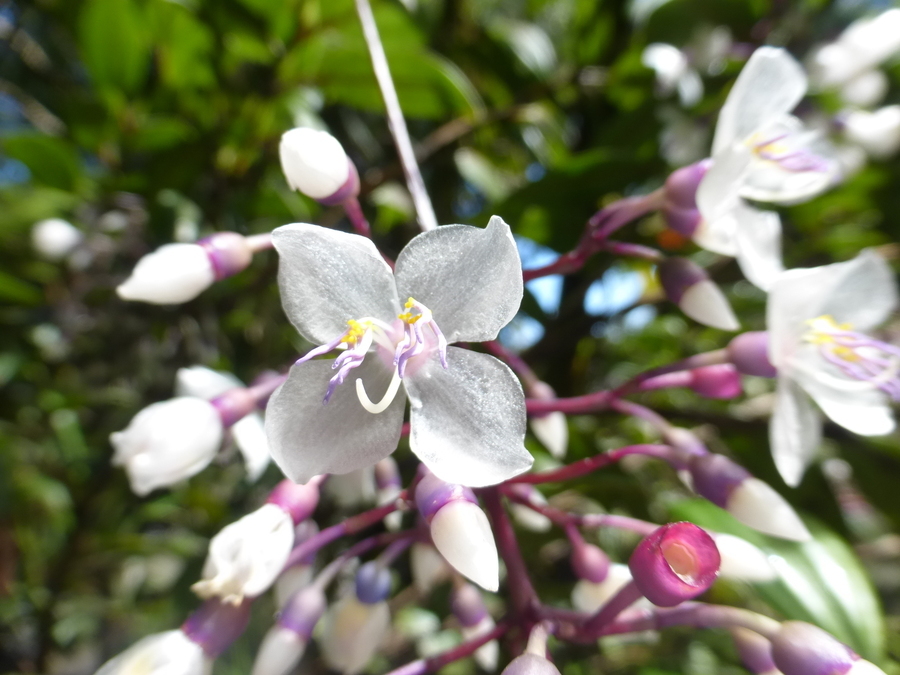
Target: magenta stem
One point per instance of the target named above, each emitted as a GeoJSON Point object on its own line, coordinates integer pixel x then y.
{"type": "Point", "coordinates": [591, 464]}
{"type": "Point", "coordinates": [713, 358]}
{"type": "Point", "coordinates": [521, 591]}
{"type": "Point", "coordinates": [627, 596]}
{"type": "Point", "coordinates": [434, 663]}
{"type": "Point", "coordinates": [658, 422]}
{"type": "Point", "coordinates": [627, 250]}
{"type": "Point", "coordinates": [357, 218]}
{"type": "Point", "coordinates": [263, 390]}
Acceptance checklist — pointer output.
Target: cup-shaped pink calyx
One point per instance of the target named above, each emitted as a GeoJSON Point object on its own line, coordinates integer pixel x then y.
{"type": "Point", "coordinates": [677, 562]}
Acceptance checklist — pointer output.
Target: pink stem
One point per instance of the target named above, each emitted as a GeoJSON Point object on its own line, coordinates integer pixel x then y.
{"type": "Point", "coordinates": [521, 590]}
{"type": "Point", "coordinates": [591, 464]}
{"type": "Point", "coordinates": [357, 218]}
{"type": "Point", "coordinates": [434, 663]}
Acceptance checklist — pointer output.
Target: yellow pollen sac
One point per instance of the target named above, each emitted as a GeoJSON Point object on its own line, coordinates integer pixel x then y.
{"type": "Point", "coordinates": [356, 332]}
{"type": "Point", "coordinates": [822, 333]}
{"type": "Point", "coordinates": [409, 317]}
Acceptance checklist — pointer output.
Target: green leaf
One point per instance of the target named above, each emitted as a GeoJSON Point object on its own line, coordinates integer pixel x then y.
{"type": "Point", "coordinates": [821, 582]}
{"type": "Point", "coordinates": [52, 161]}
{"type": "Point", "coordinates": [15, 290]}
{"type": "Point", "coordinates": [113, 41]}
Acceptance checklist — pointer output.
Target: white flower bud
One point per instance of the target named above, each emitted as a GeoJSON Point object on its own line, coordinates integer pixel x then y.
{"type": "Point", "coordinates": [169, 653]}
{"type": "Point", "coordinates": [878, 133]}
{"type": "Point", "coordinates": [757, 505]}
{"type": "Point", "coordinates": [292, 580]}
{"type": "Point", "coordinates": [246, 557]}
{"type": "Point", "coordinates": [741, 560]}
{"type": "Point", "coordinates": [352, 489]}
{"type": "Point", "coordinates": [167, 442]}
{"type": "Point", "coordinates": [314, 162]}
{"type": "Point", "coordinates": [553, 431]}
{"type": "Point", "coordinates": [588, 596]}
{"type": "Point", "coordinates": [866, 89]}
{"type": "Point", "coordinates": [55, 238]}
{"type": "Point", "coordinates": [461, 532]}
{"type": "Point", "coordinates": [352, 633]}
{"type": "Point", "coordinates": [279, 653]}
{"type": "Point", "coordinates": [172, 274]}
{"type": "Point", "coordinates": [488, 655]}
{"type": "Point", "coordinates": [428, 567]}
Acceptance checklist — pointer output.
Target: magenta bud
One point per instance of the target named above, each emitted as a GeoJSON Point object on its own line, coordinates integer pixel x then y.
{"type": "Point", "coordinates": [387, 475]}
{"type": "Point", "coordinates": [216, 624]}
{"type": "Point", "coordinates": [234, 404]}
{"type": "Point", "coordinates": [467, 605]}
{"type": "Point", "coordinates": [348, 190]}
{"type": "Point", "coordinates": [677, 275]}
{"type": "Point", "coordinates": [677, 562]}
{"type": "Point", "coordinates": [755, 651]}
{"type": "Point", "coordinates": [800, 648]}
{"type": "Point", "coordinates": [228, 253]}
{"type": "Point", "coordinates": [296, 499]}
{"type": "Point", "coordinates": [373, 583]}
{"type": "Point", "coordinates": [749, 352]}
{"type": "Point", "coordinates": [432, 493]}
{"type": "Point", "coordinates": [530, 664]}
{"type": "Point", "coordinates": [589, 562]}
{"type": "Point", "coordinates": [680, 200]}
{"type": "Point", "coordinates": [720, 381]}
{"type": "Point", "coordinates": [715, 477]}
{"type": "Point", "coordinates": [302, 612]}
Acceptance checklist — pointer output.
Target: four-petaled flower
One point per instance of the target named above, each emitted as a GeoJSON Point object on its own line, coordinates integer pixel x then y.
{"type": "Point", "coordinates": [456, 283]}
{"type": "Point", "coordinates": [814, 316]}
{"type": "Point", "coordinates": [760, 153]}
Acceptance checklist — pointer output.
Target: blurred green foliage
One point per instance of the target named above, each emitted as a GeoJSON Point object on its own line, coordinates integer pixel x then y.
{"type": "Point", "coordinates": [144, 121]}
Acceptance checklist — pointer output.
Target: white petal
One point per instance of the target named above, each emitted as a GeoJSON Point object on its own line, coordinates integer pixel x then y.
{"type": "Point", "coordinates": [249, 434]}
{"type": "Point", "coordinates": [757, 505]}
{"type": "Point", "coordinates": [308, 438]}
{"type": "Point", "coordinates": [167, 442]}
{"type": "Point", "coordinates": [717, 196]}
{"type": "Point", "coordinates": [55, 238]}
{"type": "Point", "coordinates": [168, 653]}
{"type": "Point", "coordinates": [856, 406]}
{"type": "Point", "coordinates": [769, 86]}
{"type": "Point", "coordinates": [470, 278]}
{"type": "Point", "coordinates": [352, 633]}
{"type": "Point", "coordinates": [313, 162]}
{"type": "Point", "coordinates": [327, 278]}
{"type": "Point", "coordinates": [247, 556]}
{"type": "Point", "coordinates": [794, 432]}
{"type": "Point", "coordinates": [553, 431]}
{"type": "Point", "coordinates": [705, 302]}
{"type": "Point", "coordinates": [759, 245]}
{"type": "Point", "coordinates": [467, 423]}
{"type": "Point", "coordinates": [866, 89]}
{"type": "Point", "coordinates": [204, 382]}
{"type": "Point", "coordinates": [864, 293]}
{"type": "Point", "coordinates": [462, 534]}
{"type": "Point", "coordinates": [172, 274]}
{"type": "Point", "coordinates": [877, 132]}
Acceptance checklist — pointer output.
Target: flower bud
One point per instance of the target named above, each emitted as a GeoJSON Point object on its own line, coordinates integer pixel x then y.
{"type": "Point", "coordinates": [749, 353]}
{"type": "Point", "coordinates": [530, 664]}
{"type": "Point", "coordinates": [589, 596]}
{"type": "Point", "coordinates": [284, 644]}
{"type": "Point", "coordinates": [741, 560]}
{"type": "Point", "coordinates": [803, 649]}
{"type": "Point", "coordinates": [297, 577]}
{"type": "Point", "coordinates": [388, 485]}
{"type": "Point", "coordinates": [688, 286]}
{"type": "Point", "coordinates": [167, 442]}
{"type": "Point", "coordinates": [168, 653]}
{"type": "Point", "coordinates": [551, 429]}
{"type": "Point", "coordinates": [866, 89]}
{"type": "Point", "coordinates": [755, 651]}
{"type": "Point", "coordinates": [527, 517]}
{"type": "Point", "coordinates": [215, 625]}
{"type": "Point", "coordinates": [352, 633]}
{"type": "Point", "coordinates": [677, 562]}
{"type": "Point", "coordinates": [297, 500]}
{"type": "Point", "coordinates": [589, 562]}
{"type": "Point", "coordinates": [176, 273]}
{"type": "Point", "coordinates": [459, 530]}
{"type": "Point", "coordinates": [468, 607]}
{"type": "Point", "coordinates": [373, 583]}
{"type": "Point", "coordinates": [720, 381]}
{"type": "Point", "coordinates": [247, 556]}
{"type": "Point", "coordinates": [314, 162]}
{"type": "Point", "coordinates": [878, 132]}
{"type": "Point", "coordinates": [352, 489]}
{"type": "Point", "coordinates": [428, 567]}
{"type": "Point", "coordinates": [680, 201]}
{"type": "Point", "coordinates": [55, 238]}
{"type": "Point", "coordinates": [751, 501]}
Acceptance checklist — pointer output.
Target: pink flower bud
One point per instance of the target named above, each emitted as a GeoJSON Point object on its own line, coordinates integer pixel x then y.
{"type": "Point", "coordinates": [216, 624]}
{"type": "Point", "coordinates": [680, 202]}
{"type": "Point", "coordinates": [234, 405]}
{"type": "Point", "coordinates": [298, 500]}
{"type": "Point", "coordinates": [755, 651]}
{"type": "Point", "coordinates": [530, 664]}
{"type": "Point", "coordinates": [302, 612]}
{"type": "Point", "coordinates": [228, 253]}
{"type": "Point", "coordinates": [468, 607]}
{"type": "Point", "coordinates": [314, 162]}
{"type": "Point", "coordinates": [688, 286]}
{"type": "Point", "coordinates": [720, 381]}
{"type": "Point", "coordinates": [678, 562]}
{"type": "Point", "coordinates": [803, 649]}
{"type": "Point", "coordinates": [749, 352]}
{"type": "Point", "coordinates": [589, 562]}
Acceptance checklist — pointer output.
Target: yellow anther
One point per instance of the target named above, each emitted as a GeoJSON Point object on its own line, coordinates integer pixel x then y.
{"type": "Point", "coordinates": [356, 332]}
{"type": "Point", "coordinates": [410, 303]}
{"type": "Point", "coordinates": [822, 332]}
{"type": "Point", "coordinates": [409, 317]}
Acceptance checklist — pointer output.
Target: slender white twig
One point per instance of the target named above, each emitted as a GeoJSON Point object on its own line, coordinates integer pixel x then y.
{"type": "Point", "coordinates": [424, 209]}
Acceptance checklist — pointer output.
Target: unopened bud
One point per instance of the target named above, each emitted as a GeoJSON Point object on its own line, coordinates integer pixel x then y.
{"type": "Point", "coordinates": [373, 583]}
{"type": "Point", "coordinates": [468, 607]}
{"type": "Point", "coordinates": [677, 562]}
{"type": "Point", "coordinates": [688, 286]}
{"type": "Point", "coordinates": [755, 651]}
{"type": "Point", "coordinates": [216, 624]}
{"type": "Point", "coordinates": [878, 132]}
{"type": "Point", "coordinates": [388, 484]}
{"type": "Point", "coordinates": [314, 162]}
{"type": "Point", "coordinates": [428, 567]}
{"type": "Point", "coordinates": [751, 501]}
{"type": "Point", "coordinates": [589, 562]}
{"type": "Point", "coordinates": [749, 352]}
{"type": "Point", "coordinates": [721, 381]}
{"type": "Point", "coordinates": [530, 664]}
{"type": "Point", "coordinates": [551, 429]}
{"type": "Point", "coordinates": [297, 500]}
{"type": "Point", "coordinates": [55, 238]}
{"type": "Point", "coordinates": [352, 633]}
{"type": "Point", "coordinates": [297, 577]}
{"type": "Point", "coordinates": [741, 560]}
{"type": "Point", "coordinates": [589, 596]}
{"type": "Point", "coordinates": [802, 649]}
{"type": "Point", "coordinates": [460, 530]}
{"type": "Point", "coordinates": [528, 517]}
{"type": "Point", "coordinates": [160, 654]}
{"type": "Point", "coordinates": [680, 206]}
{"type": "Point", "coordinates": [284, 644]}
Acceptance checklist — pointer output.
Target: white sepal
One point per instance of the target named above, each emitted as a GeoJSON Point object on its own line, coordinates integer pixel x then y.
{"type": "Point", "coordinates": [741, 560]}
{"type": "Point", "coordinates": [461, 532]}
{"type": "Point", "coordinates": [757, 505]}
{"type": "Point", "coordinates": [172, 274]}
{"type": "Point", "coordinates": [168, 653]}
{"type": "Point", "coordinates": [279, 653]}
{"type": "Point", "coordinates": [55, 238]}
{"type": "Point", "coordinates": [352, 633]}
{"type": "Point", "coordinates": [167, 442]}
{"type": "Point", "coordinates": [246, 557]}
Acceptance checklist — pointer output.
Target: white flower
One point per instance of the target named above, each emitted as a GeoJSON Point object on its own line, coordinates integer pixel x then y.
{"type": "Point", "coordinates": [352, 633]}
{"type": "Point", "coordinates": [169, 653]}
{"type": "Point", "coordinates": [167, 442]}
{"type": "Point", "coordinates": [55, 238]}
{"type": "Point", "coordinates": [467, 409]}
{"type": "Point", "coordinates": [878, 132]}
{"type": "Point", "coordinates": [246, 557]}
{"type": "Point", "coordinates": [249, 432]}
{"type": "Point", "coordinates": [814, 318]}
{"type": "Point", "coordinates": [673, 72]}
{"type": "Point", "coordinates": [172, 274]}
{"type": "Point", "coordinates": [762, 153]}
{"type": "Point", "coordinates": [314, 162]}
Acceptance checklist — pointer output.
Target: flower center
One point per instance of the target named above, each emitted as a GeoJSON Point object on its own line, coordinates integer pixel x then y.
{"type": "Point", "coordinates": [857, 355]}
{"type": "Point", "coordinates": [789, 150]}
{"type": "Point", "coordinates": [404, 340]}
